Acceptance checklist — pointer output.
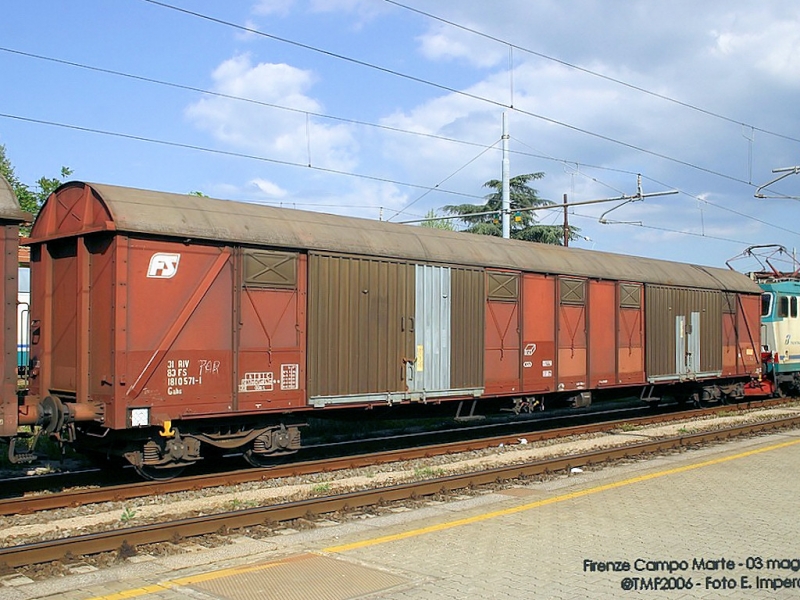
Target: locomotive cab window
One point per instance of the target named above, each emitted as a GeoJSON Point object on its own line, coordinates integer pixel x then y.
{"type": "Point", "coordinates": [766, 304]}
{"type": "Point", "coordinates": [793, 307]}
{"type": "Point", "coordinates": [783, 306]}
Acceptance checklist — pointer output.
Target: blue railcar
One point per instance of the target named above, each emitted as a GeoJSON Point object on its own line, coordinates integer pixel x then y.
{"type": "Point", "coordinates": [23, 320]}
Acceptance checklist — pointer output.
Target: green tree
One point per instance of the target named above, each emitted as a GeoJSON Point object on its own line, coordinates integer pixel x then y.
{"type": "Point", "coordinates": [524, 225]}
{"type": "Point", "coordinates": [30, 200]}
{"type": "Point", "coordinates": [435, 223]}
{"type": "Point", "coordinates": [26, 198]}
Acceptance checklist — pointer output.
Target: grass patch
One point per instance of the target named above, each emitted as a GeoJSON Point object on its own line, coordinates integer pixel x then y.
{"type": "Point", "coordinates": [726, 413]}
{"type": "Point", "coordinates": [320, 489]}
{"type": "Point", "coordinates": [428, 472]}
{"type": "Point", "coordinates": [128, 515]}
{"type": "Point", "coordinates": [628, 427]}
{"type": "Point", "coordinates": [237, 504]}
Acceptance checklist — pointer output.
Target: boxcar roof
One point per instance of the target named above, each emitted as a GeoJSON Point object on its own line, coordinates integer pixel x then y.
{"type": "Point", "coordinates": [9, 205]}
{"type": "Point", "coordinates": [200, 218]}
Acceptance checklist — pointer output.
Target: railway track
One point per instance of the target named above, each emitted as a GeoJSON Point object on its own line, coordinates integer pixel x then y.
{"type": "Point", "coordinates": [25, 504]}
{"type": "Point", "coordinates": [55, 550]}
{"type": "Point", "coordinates": [349, 446]}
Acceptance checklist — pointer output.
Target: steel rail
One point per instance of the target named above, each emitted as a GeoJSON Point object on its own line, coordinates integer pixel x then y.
{"type": "Point", "coordinates": [53, 550]}
{"type": "Point", "coordinates": [140, 489]}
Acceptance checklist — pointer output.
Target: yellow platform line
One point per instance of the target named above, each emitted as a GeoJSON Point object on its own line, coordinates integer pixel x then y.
{"type": "Point", "coordinates": [547, 501]}
{"type": "Point", "coordinates": [167, 585]}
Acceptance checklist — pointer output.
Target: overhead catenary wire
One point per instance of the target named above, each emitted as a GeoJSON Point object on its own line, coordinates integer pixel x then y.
{"type": "Point", "coordinates": [299, 111]}
{"type": "Point", "coordinates": [225, 96]}
{"type": "Point", "coordinates": [667, 230]}
{"type": "Point", "coordinates": [453, 174]}
{"type": "Point", "coordinates": [338, 118]}
{"type": "Point", "coordinates": [727, 208]}
{"type": "Point", "coordinates": [785, 172]}
{"type": "Point", "coordinates": [428, 189]}
{"type": "Point", "coordinates": [569, 163]}
{"type": "Point", "coordinates": [592, 72]}
{"type": "Point", "coordinates": [320, 115]}
{"type": "Point", "coordinates": [287, 163]}
{"type": "Point", "coordinates": [369, 177]}
{"type": "Point", "coordinates": [395, 73]}
{"type": "Point", "coordinates": [550, 205]}
{"type": "Point", "coordinates": [661, 183]}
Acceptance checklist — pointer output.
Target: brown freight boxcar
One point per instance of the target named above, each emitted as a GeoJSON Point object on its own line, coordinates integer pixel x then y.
{"type": "Point", "coordinates": [10, 218]}
{"type": "Point", "coordinates": [164, 322]}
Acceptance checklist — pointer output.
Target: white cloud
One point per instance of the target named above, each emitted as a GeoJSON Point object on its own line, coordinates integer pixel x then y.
{"type": "Point", "coordinates": [267, 82]}
{"type": "Point", "coordinates": [445, 43]}
{"type": "Point", "coordinates": [769, 47]}
{"type": "Point", "coordinates": [364, 8]}
{"type": "Point", "coordinates": [281, 135]}
{"type": "Point", "coordinates": [324, 193]}
{"type": "Point", "coordinates": [268, 188]}
{"type": "Point", "coordinates": [371, 196]}
{"type": "Point", "coordinates": [711, 60]}
{"type": "Point", "coordinates": [273, 7]}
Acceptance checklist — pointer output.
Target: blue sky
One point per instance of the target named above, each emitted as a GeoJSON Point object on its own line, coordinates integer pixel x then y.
{"type": "Point", "coordinates": [399, 112]}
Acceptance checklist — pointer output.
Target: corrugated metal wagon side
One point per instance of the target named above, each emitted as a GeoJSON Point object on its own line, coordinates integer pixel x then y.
{"type": "Point", "coordinates": [10, 218]}
{"type": "Point", "coordinates": [684, 329]}
{"type": "Point", "coordinates": [384, 330]}
{"type": "Point", "coordinates": [695, 335]}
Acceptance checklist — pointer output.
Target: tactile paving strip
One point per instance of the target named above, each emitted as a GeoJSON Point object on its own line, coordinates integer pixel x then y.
{"type": "Point", "coordinates": [299, 578]}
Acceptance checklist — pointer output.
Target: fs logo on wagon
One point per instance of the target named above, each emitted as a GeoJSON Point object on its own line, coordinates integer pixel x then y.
{"type": "Point", "coordinates": [163, 265]}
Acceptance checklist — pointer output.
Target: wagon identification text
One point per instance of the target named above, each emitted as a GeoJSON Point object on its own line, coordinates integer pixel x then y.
{"type": "Point", "coordinates": [265, 381]}
{"type": "Point", "coordinates": [178, 374]}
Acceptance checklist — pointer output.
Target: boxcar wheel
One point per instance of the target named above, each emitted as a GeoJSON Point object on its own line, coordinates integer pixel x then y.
{"type": "Point", "coordinates": [156, 474]}
{"type": "Point", "coordinates": [265, 461]}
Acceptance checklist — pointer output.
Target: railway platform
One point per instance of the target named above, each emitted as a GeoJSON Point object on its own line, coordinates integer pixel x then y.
{"type": "Point", "coordinates": [717, 522]}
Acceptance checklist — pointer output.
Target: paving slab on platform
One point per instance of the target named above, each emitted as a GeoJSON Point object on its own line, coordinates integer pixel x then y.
{"type": "Point", "coordinates": [669, 522]}
{"type": "Point", "coordinates": [299, 577]}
